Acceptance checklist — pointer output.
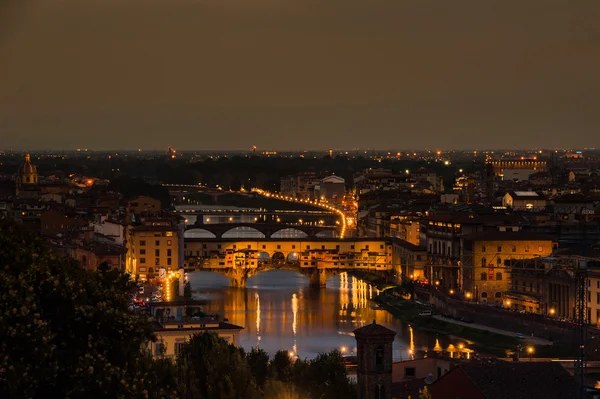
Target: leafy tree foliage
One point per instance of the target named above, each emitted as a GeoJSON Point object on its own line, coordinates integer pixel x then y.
{"type": "Point", "coordinates": [211, 368]}
{"type": "Point", "coordinates": [67, 332]}
{"type": "Point", "coordinates": [258, 360]}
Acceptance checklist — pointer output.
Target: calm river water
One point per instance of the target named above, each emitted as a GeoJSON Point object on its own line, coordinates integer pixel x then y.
{"type": "Point", "coordinates": [279, 311]}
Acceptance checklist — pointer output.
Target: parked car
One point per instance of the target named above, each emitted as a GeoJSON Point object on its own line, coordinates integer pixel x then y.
{"type": "Point", "coordinates": [520, 336]}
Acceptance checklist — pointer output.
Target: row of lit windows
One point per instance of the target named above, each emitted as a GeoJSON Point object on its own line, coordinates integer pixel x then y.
{"type": "Point", "coordinates": [157, 242]}
{"type": "Point", "coordinates": [514, 248]}
{"type": "Point", "coordinates": [156, 252]}
{"type": "Point", "coordinates": [157, 261]}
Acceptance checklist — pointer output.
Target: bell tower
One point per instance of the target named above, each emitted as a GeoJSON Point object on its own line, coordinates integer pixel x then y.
{"type": "Point", "coordinates": [374, 350]}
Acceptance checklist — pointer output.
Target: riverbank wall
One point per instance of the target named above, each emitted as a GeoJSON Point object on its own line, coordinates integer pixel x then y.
{"type": "Point", "coordinates": [561, 333]}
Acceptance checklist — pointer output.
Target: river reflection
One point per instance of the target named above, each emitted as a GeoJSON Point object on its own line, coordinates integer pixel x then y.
{"type": "Point", "coordinates": [279, 311]}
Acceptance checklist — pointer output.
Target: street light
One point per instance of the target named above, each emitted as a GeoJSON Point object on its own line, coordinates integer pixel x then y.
{"type": "Point", "coordinates": [530, 351]}
{"type": "Point", "coordinates": [552, 311]}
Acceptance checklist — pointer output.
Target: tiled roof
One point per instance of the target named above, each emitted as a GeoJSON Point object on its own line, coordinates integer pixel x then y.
{"type": "Point", "coordinates": [374, 329]}
{"type": "Point", "coordinates": [516, 380]}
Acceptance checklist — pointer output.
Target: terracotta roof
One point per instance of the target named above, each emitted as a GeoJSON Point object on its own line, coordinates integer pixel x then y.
{"type": "Point", "coordinates": [515, 380]}
{"type": "Point", "coordinates": [374, 329]}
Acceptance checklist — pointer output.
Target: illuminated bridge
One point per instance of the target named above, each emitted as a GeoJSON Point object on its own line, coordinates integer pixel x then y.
{"type": "Point", "coordinates": [318, 259]}
{"type": "Point", "coordinates": [260, 230]}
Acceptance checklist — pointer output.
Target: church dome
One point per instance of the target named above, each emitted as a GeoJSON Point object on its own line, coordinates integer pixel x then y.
{"type": "Point", "coordinates": [27, 168]}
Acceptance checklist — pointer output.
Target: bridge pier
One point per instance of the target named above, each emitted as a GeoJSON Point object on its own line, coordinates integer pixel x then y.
{"type": "Point", "coordinates": [318, 278]}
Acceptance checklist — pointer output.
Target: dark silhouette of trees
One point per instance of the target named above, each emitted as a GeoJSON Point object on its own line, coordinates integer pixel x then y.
{"type": "Point", "coordinates": [67, 332]}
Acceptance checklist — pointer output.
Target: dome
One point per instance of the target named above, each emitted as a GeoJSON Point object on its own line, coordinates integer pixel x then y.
{"type": "Point", "coordinates": [27, 168]}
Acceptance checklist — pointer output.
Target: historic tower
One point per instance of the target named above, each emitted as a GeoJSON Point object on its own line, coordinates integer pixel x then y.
{"type": "Point", "coordinates": [374, 350]}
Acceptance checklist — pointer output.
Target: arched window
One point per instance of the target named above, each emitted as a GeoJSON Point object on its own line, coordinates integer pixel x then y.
{"type": "Point", "coordinates": [499, 276]}
{"type": "Point", "coordinates": [499, 261]}
{"type": "Point", "coordinates": [484, 294]}
{"type": "Point", "coordinates": [483, 276]}
{"type": "Point", "coordinates": [498, 295]}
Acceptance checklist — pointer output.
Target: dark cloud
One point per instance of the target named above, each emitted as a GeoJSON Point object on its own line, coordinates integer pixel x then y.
{"type": "Point", "coordinates": [299, 73]}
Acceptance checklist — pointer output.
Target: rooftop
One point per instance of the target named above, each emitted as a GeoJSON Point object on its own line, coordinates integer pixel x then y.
{"type": "Point", "coordinates": [374, 329]}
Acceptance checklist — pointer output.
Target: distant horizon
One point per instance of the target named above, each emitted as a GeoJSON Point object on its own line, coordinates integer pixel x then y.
{"type": "Point", "coordinates": [260, 151]}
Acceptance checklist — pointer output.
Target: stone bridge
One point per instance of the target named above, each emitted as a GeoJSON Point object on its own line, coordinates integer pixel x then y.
{"type": "Point", "coordinates": [316, 258]}
{"type": "Point", "coordinates": [240, 273]}
{"type": "Point", "coordinates": [266, 229]}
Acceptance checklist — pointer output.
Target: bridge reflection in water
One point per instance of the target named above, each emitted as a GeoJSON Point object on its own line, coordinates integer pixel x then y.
{"type": "Point", "coordinates": [278, 311]}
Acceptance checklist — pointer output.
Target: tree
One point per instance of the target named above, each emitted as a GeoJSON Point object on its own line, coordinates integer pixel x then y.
{"type": "Point", "coordinates": [326, 377]}
{"type": "Point", "coordinates": [258, 360]}
{"type": "Point", "coordinates": [67, 332]}
{"type": "Point", "coordinates": [281, 365]}
{"type": "Point", "coordinates": [211, 368]}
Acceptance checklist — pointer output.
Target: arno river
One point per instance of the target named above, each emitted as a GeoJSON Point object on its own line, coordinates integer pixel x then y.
{"type": "Point", "coordinates": [279, 311]}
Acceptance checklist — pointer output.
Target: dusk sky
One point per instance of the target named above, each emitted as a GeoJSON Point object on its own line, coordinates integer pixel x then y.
{"type": "Point", "coordinates": [299, 74]}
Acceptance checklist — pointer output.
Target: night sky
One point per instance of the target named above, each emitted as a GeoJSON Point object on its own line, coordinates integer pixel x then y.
{"type": "Point", "coordinates": [299, 74]}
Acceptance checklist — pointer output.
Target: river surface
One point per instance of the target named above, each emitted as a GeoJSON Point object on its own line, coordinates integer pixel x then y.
{"type": "Point", "coordinates": [279, 311]}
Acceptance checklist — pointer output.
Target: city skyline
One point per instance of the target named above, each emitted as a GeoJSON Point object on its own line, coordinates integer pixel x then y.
{"type": "Point", "coordinates": [296, 75]}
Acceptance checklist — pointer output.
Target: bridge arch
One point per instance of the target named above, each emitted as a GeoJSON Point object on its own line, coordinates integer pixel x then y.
{"type": "Point", "coordinates": [293, 257]}
{"type": "Point", "coordinates": [197, 232]}
{"type": "Point", "coordinates": [278, 258]}
{"type": "Point", "coordinates": [289, 232]}
{"type": "Point", "coordinates": [264, 257]}
{"type": "Point", "coordinates": [243, 232]}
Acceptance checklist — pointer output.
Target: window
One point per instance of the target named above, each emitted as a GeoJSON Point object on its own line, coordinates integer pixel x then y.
{"type": "Point", "coordinates": [498, 295]}
{"type": "Point", "coordinates": [168, 261]}
{"type": "Point", "coordinates": [597, 298]}
{"type": "Point", "coordinates": [499, 276]}
{"type": "Point", "coordinates": [293, 247]}
{"type": "Point", "coordinates": [308, 247]}
{"type": "Point", "coordinates": [514, 248]}
{"type": "Point", "coordinates": [499, 248]}
{"type": "Point", "coordinates": [483, 248]}
{"type": "Point", "coordinates": [142, 260]}
{"type": "Point", "coordinates": [322, 246]}
{"type": "Point", "coordinates": [379, 356]}
{"type": "Point", "coordinates": [142, 242]}
{"type": "Point", "coordinates": [541, 249]}
{"type": "Point", "coordinates": [142, 252]}
{"type": "Point", "coordinates": [409, 372]}
{"type": "Point", "coordinates": [157, 243]}
{"type": "Point", "coordinates": [169, 242]}
{"type": "Point", "coordinates": [249, 247]}
{"type": "Point", "coordinates": [169, 252]}
{"type": "Point", "coordinates": [526, 247]}
{"type": "Point", "coordinates": [157, 252]}
{"type": "Point", "coordinates": [234, 246]}
{"type": "Point", "coordinates": [264, 247]}
{"type": "Point", "coordinates": [351, 246]}
{"type": "Point", "coordinates": [158, 348]}
{"type": "Point", "coordinates": [157, 261]}
{"type": "Point", "coordinates": [483, 262]}
{"type": "Point", "coordinates": [381, 247]}
{"type": "Point", "coordinates": [367, 247]}
{"type": "Point", "coordinates": [483, 276]}
{"type": "Point", "coordinates": [179, 347]}
{"type": "Point", "coordinates": [337, 247]}
{"type": "Point", "coordinates": [218, 246]}
{"type": "Point", "coordinates": [499, 261]}
{"type": "Point", "coordinates": [484, 294]}
{"type": "Point", "coordinates": [278, 246]}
